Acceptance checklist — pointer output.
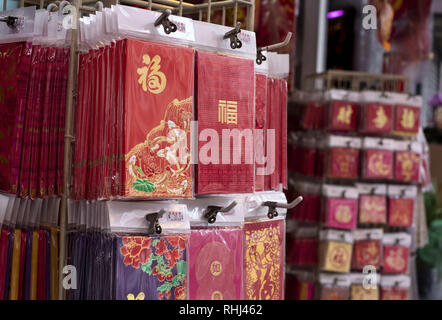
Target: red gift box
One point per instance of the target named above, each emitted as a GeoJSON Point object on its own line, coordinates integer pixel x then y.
{"type": "Point", "coordinates": [407, 166]}
{"type": "Point", "coordinates": [378, 164]}
{"type": "Point", "coordinates": [340, 207]}
{"type": "Point", "coordinates": [394, 294]}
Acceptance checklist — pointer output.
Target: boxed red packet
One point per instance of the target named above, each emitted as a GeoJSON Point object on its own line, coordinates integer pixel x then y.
{"type": "Point", "coordinates": [376, 113]}
{"type": "Point", "coordinates": [377, 159]}
{"type": "Point", "coordinates": [367, 248]}
{"type": "Point", "coordinates": [372, 203]}
{"type": "Point", "coordinates": [407, 161]}
{"type": "Point", "coordinates": [335, 250]}
{"type": "Point", "coordinates": [407, 114]}
{"type": "Point", "coordinates": [361, 289]}
{"type": "Point", "coordinates": [343, 157]}
{"type": "Point", "coordinates": [395, 287]}
{"type": "Point", "coordinates": [225, 104]}
{"type": "Point", "coordinates": [334, 287]}
{"type": "Point", "coordinates": [157, 112]}
{"type": "Point", "coordinates": [401, 203]}
{"type": "Point", "coordinates": [340, 207]}
{"type": "Point", "coordinates": [342, 111]}
{"type": "Point", "coordinates": [396, 252]}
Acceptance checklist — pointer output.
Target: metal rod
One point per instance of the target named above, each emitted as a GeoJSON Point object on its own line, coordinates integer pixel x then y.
{"type": "Point", "coordinates": [223, 18]}
{"type": "Point", "coordinates": [200, 15]}
{"type": "Point", "coordinates": [209, 10]}
{"type": "Point", "coordinates": [42, 4]}
{"type": "Point", "coordinates": [279, 45]}
{"type": "Point", "coordinates": [145, 4]}
{"type": "Point", "coordinates": [251, 16]}
{"type": "Point", "coordinates": [150, 4]}
{"type": "Point", "coordinates": [5, 4]}
{"type": "Point", "coordinates": [235, 13]}
{"type": "Point", "coordinates": [217, 5]}
{"type": "Point", "coordinates": [180, 12]}
{"type": "Point", "coordinates": [22, 3]}
{"type": "Point", "coordinates": [70, 103]}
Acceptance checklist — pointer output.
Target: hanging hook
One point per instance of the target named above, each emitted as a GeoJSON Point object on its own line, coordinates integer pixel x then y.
{"type": "Point", "coordinates": [163, 19]}
{"type": "Point", "coordinates": [10, 21]}
{"type": "Point", "coordinates": [235, 43]}
{"type": "Point", "coordinates": [211, 211]}
{"type": "Point", "coordinates": [260, 57]}
{"type": "Point", "coordinates": [99, 6]}
{"type": "Point", "coordinates": [273, 205]}
{"type": "Point", "coordinates": [152, 218]}
{"type": "Point", "coordinates": [52, 6]}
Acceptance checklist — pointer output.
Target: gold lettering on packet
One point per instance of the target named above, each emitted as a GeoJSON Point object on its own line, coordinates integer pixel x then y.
{"type": "Point", "coordinates": [344, 114]}
{"type": "Point", "coordinates": [151, 78]}
{"type": "Point", "coordinates": [228, 112]}
{"type": "Point", "coordinates": [381, 118]}
{"type": "Point", "coordinates": [408, 119]}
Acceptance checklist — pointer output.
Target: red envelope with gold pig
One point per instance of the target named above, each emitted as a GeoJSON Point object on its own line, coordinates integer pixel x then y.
{"type": "Point", "coordinates": [396, 254]}
{"type": "Point", "coordinates": [378, 159]}
{"type": "Point", "coordinates": [158, 110]}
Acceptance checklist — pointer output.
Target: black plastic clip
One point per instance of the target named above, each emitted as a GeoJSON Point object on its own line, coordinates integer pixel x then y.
{"type": "Point", "coordinates": [259, 56]}
{"type": "Point", "coordinates": [273, 205]}
{"type": "Point", "coordinates": [164, 20]}
{"type": "Point", "coordinates": [152, 218]}
{"type": "Point", "coordinates": [10, 21]}
{"type": "Point", "coordinates": [235, 43]}
{"type": "Point", "coordinates": [211, 211]}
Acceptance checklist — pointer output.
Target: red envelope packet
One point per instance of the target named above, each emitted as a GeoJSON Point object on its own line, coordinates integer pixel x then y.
{"type": "Point", "coordinates": [377, 118]}
{"type": "Point", "coordinates": [366, 252]}
{"type": "Point", "coordinates": [394, 294]}
{"type": "Point", "coordinates": [400, 212]}
{"type": "Point", "coordinates": [343, 116]}
{"type": "Point", "coordinates": [225, 103]}
{"type": "Point", "coordinates": [260, 124]}
{"type": "Point", "coordinates": [343, 163]}
{"type": "Point", "coordinates": [341, 213]}
{"type": "Point", "coordinates": [407, 120]}
{"type": "Point", "coordinates": [372, 209]}
{"type": "Point", "coordinates": [157, 113]}
{"type": "Point", "coordinates": [395, 259]}
{"type": "Point", "coordinates": [407, 165]}
{"type": "Point", "coordinates": [378, 164]}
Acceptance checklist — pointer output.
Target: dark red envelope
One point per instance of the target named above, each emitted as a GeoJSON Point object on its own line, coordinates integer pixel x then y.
{"type": "Point", "coordinates": [225, 96]}
{"type": "Point", "coordinates": [260, 124]}
{"type": "Point", "coordinates": [395, 259]}
{"type": "Point", "coordinates": [400, 212]}
{"type": "Point", "coordinates": [378, 164]}
{"type": "Point", "coordinates": [343, 163]}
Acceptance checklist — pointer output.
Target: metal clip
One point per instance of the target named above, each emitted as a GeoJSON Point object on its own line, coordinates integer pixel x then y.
{"type": "Point", "coordinates": [152, 218]}
{"type": "Point", "coordinates": [260, 57]}
{"type": "Point", "coordinates": [10, 21]}
{"type": "Point", "coordinates": [163, 19]}
{"type": "Point", "coordinates": [235, 43]}
{"type": "Point", "coordinates": [211, 211]}
{"type": "Point", "coordinates": [273, 205]}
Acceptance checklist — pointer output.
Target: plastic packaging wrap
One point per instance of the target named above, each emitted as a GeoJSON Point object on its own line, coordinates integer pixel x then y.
{"type": "Point", "coordinates": [225, 103]}
{"type": "Point", "coordinates": [340, 207]}
{"type": "Point", "coordinates": [342, 110]}
{"type": "Point", "coordinates": [395, 287]}
{"type": "Point", "coordinates": [215, 264]}
{"type": "Point", "coordinates": [401, 205]}
{"type": "Point", "coordinates": [372, 203]}
{"type": "Point", "coordinates": [377, 163]}
{"type": "Point", "coordinates": [367, 248]}
{"type": "Point", "coordinates": [264, 248]}
{"type": "Point", "coordinates": [334, 287]}
{"type": "Point", "coordinates": [343, 157]}
{"type": "Point", "coordinates": [376, 113]}
{"type": "Point", "coordinates": [396, 253]}
{"type": "Point", "coordinates": [335, 250]}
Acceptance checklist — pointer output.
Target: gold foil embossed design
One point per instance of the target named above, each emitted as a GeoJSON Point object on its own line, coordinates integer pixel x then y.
{"type": "Point", "coordinates": [151, 78]}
